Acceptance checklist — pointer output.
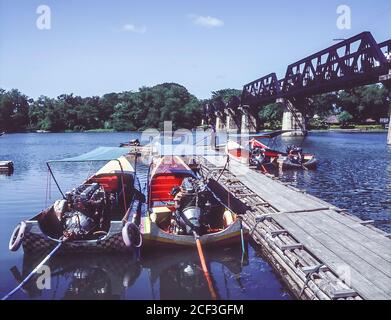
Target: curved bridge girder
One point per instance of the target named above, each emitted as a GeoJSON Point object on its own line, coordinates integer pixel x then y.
{"type": "Point", "coordinates": [350, 63]}
{"type": "Point", "coordinates": [267, 88]}
{"type": "Point", "coordinates": [354, 62]}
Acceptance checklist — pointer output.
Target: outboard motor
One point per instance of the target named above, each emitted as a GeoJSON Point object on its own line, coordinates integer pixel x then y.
{"type": "Point", "coordinates": [193, 203]}
{"type": "Point", "coordinates": [193, 215]}
{"type": "Point", "coordinates": [257, 157]}
{"type": "Point", "coordinates": [86, 208]}
{"type": "Point", "coordinates": [295, 154]}
{"type": "Point", "coordinates": [78, 226]}
{"type": "Point", "coordinates": [134, 143]}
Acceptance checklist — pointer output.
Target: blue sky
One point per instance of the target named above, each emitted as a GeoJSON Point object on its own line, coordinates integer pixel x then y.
{"type": "Point", "coordinates": [97, 47]}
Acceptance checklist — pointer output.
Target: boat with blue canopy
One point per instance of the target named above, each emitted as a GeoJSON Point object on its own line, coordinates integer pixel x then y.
{"type": "Point", "coordinates": [100, 215]}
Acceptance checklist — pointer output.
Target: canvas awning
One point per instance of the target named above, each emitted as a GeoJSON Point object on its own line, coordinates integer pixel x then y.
{"type": "Point", "coordinates": [122, 165]}
{"type": "Point", "coordinates": [99, 154]}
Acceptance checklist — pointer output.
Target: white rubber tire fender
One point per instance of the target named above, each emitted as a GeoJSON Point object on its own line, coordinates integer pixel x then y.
{"type": "Point", "coordinates": [228, 218]}
{"type": "Point", "coordinates": [17, 236]}
{"type": "Point", "coordinates": [129, 231]}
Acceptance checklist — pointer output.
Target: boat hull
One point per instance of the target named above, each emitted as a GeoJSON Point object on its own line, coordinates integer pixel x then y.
{"type": "Point", "coordinates": [35, 241]}
{"type": "Point", "coordinates": [286, 164]}
{"type": "Point", "coordinates": [154, 237]}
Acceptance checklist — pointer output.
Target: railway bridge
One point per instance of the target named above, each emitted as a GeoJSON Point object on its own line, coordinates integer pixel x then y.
{"type": "Point", "coordinates": [353, 62]}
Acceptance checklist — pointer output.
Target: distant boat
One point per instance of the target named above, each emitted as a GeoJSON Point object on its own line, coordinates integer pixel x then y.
{"type": "Point", "coordinates": [262, 156]}
{"type": "Point", "coordinates": [42, 131]}
{"type": "Point", "coordinates": [6, 167]}
{"type": "Point", "coordinates": [2, 134]}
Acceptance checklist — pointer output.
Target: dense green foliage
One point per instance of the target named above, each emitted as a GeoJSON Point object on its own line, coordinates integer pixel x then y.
{"type": "Point", "coordinates": [147, 108]}
{"type": "Point", "coordinates": [345, 117]}
{"type": "Point", "coordinates": [226, 94]}
{"type": "Point", "coordinates": [151, 106]}
{"type": "Point", "coordinates": [271, 116]}
{"type": "Point", "coordinates": [361, 103]}
{"type": "Point", "coordinates": [350, 106]}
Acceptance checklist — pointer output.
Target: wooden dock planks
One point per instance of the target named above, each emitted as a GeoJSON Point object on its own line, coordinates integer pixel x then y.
{"type": "Point", "coordinates": [366, 279]}
{"type": "Point", "coordinates": [336, 239]}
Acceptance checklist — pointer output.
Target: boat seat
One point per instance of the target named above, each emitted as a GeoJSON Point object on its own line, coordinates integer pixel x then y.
{"type": "Point", "coordinates": [160, 214]}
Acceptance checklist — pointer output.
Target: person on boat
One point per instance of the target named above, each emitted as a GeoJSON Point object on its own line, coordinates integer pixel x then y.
{"type": "Point", "coordinates": [259, 158]}
{"type": "Point", "coordinates": [295, 154]}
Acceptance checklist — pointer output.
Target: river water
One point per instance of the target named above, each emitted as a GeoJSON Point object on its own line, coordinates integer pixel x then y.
{"type": "Point", "coordinates": [354, 173]}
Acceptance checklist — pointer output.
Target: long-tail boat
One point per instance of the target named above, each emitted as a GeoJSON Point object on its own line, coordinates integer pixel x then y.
{"type": "Point", "coordinates": [179, 204]}
{"type": "Point", "coordinates": [260, 155]}
{"type": "Point", "coordinates": [91, 217]}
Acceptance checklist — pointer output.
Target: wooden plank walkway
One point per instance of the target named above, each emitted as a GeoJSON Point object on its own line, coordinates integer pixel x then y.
{"type": "Point", "coordinates": [358, 255]}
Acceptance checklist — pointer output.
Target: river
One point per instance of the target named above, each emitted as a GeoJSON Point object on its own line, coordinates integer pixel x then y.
{"type": "Point", "coordinates": [354, 173]}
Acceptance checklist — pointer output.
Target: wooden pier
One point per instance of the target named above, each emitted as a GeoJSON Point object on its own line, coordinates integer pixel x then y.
{"type": "Point", "coordinates": [320, 251]}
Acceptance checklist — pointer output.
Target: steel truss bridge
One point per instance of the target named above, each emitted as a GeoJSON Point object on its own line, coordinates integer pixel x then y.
{"type": "Point", "coordinates": [354, 62]}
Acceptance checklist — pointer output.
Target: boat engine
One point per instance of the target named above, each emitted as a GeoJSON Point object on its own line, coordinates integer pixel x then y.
{"type": "Point", "coordinates": [193, 203]}
{"type": "Point", "coordinates": [257, 157]}
{"type": "Point", "coordinates": [86, 211]}
{"type": "Point", "coordinates": [295, 154]}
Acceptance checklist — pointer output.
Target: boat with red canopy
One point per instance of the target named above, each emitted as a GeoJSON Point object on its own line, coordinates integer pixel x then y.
{"type": "Point", "coordinates": [180, 203]}
{"type": "Point", "coordinates": [263, 157]}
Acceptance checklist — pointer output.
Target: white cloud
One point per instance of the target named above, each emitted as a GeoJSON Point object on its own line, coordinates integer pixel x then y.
{"type": "Point", "coordinates": [206, 21]}
{"type": "Point", "coordinates": [134, 29]}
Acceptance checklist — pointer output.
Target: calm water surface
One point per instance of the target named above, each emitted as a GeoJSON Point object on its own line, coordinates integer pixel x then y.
{"type": "Point", "coordinates": [354, 173]}
{"type": "Point", "coordinates": [172, 275]}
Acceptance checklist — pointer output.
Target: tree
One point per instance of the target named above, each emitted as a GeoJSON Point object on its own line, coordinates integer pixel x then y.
{"type": "Point", "coordinates": [14, 110]}
{"type": "Point", "coordinates": [272, 114]}
{"type": "Point", "coordinates": [226, 94]}
{"type": "Point", "coordinates": [345, 118]}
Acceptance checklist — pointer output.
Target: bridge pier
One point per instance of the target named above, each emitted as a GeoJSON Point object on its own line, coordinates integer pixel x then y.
{"type": "Point", "coordinates": [249, 123]}
{"type": "Point", "coordinates": [231, 125]}
{"type": "Point", "coordinates": [292, 120]}
{"type": "Point", "coordinates": [220, 126]}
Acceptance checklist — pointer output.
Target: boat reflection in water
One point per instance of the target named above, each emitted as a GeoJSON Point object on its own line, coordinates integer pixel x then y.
{"type": "Point", "coordinates": [114, 277]}
{"type": "Point", "coordinates": [180, 276]}
{"type": "Point", "coordinates": [73, 277]}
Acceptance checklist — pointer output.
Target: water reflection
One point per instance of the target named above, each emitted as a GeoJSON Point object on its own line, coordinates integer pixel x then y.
{"type": "Point", "coordinates": [108, 277]}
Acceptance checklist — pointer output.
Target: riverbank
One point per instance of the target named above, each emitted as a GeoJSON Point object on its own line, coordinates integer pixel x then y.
{"type": "Point", "coordinates": [359, 129]}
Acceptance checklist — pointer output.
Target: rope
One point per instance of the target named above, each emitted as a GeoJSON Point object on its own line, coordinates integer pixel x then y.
{"type": "Point", "coordinates": [224, 169]}
{"type": "Point", "coordinates": [47, 189]}
{"type": "Point", "coordinates": [50, 188]}
{"type": "Point", "coordinates": [37, 268]}
{"type": "Point", "coordinates": [242, 241]}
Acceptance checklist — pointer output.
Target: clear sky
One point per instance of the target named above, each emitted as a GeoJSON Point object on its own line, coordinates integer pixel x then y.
{"type": "Point", "coordinates": [101, 46]}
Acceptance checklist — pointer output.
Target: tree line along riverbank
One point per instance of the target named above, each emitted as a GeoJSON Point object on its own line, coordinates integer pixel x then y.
{"type": "Point", "coordinates": [149, 107]}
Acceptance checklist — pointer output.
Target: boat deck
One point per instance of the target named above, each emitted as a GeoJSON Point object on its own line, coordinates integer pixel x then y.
{"type": "Point", "coordinates": [321, 251]}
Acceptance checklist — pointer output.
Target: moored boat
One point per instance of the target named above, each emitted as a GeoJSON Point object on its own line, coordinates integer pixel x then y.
{"type": "Point", "coordinates": [261, 156]}
{"type": "Point", "coordinates": [180, 204]}
{"type": "Point", "coordinates": [6, 167]}
{"type": "Point", "coordinates": [131, 143]}
{"type": "Point", "coordinates": [91, 217]}
{"type": "Point", "coordinates": [2, 134]}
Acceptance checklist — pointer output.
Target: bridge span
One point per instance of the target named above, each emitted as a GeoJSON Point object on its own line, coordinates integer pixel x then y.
{"type": "Point", "coordinates": [354, 62]}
